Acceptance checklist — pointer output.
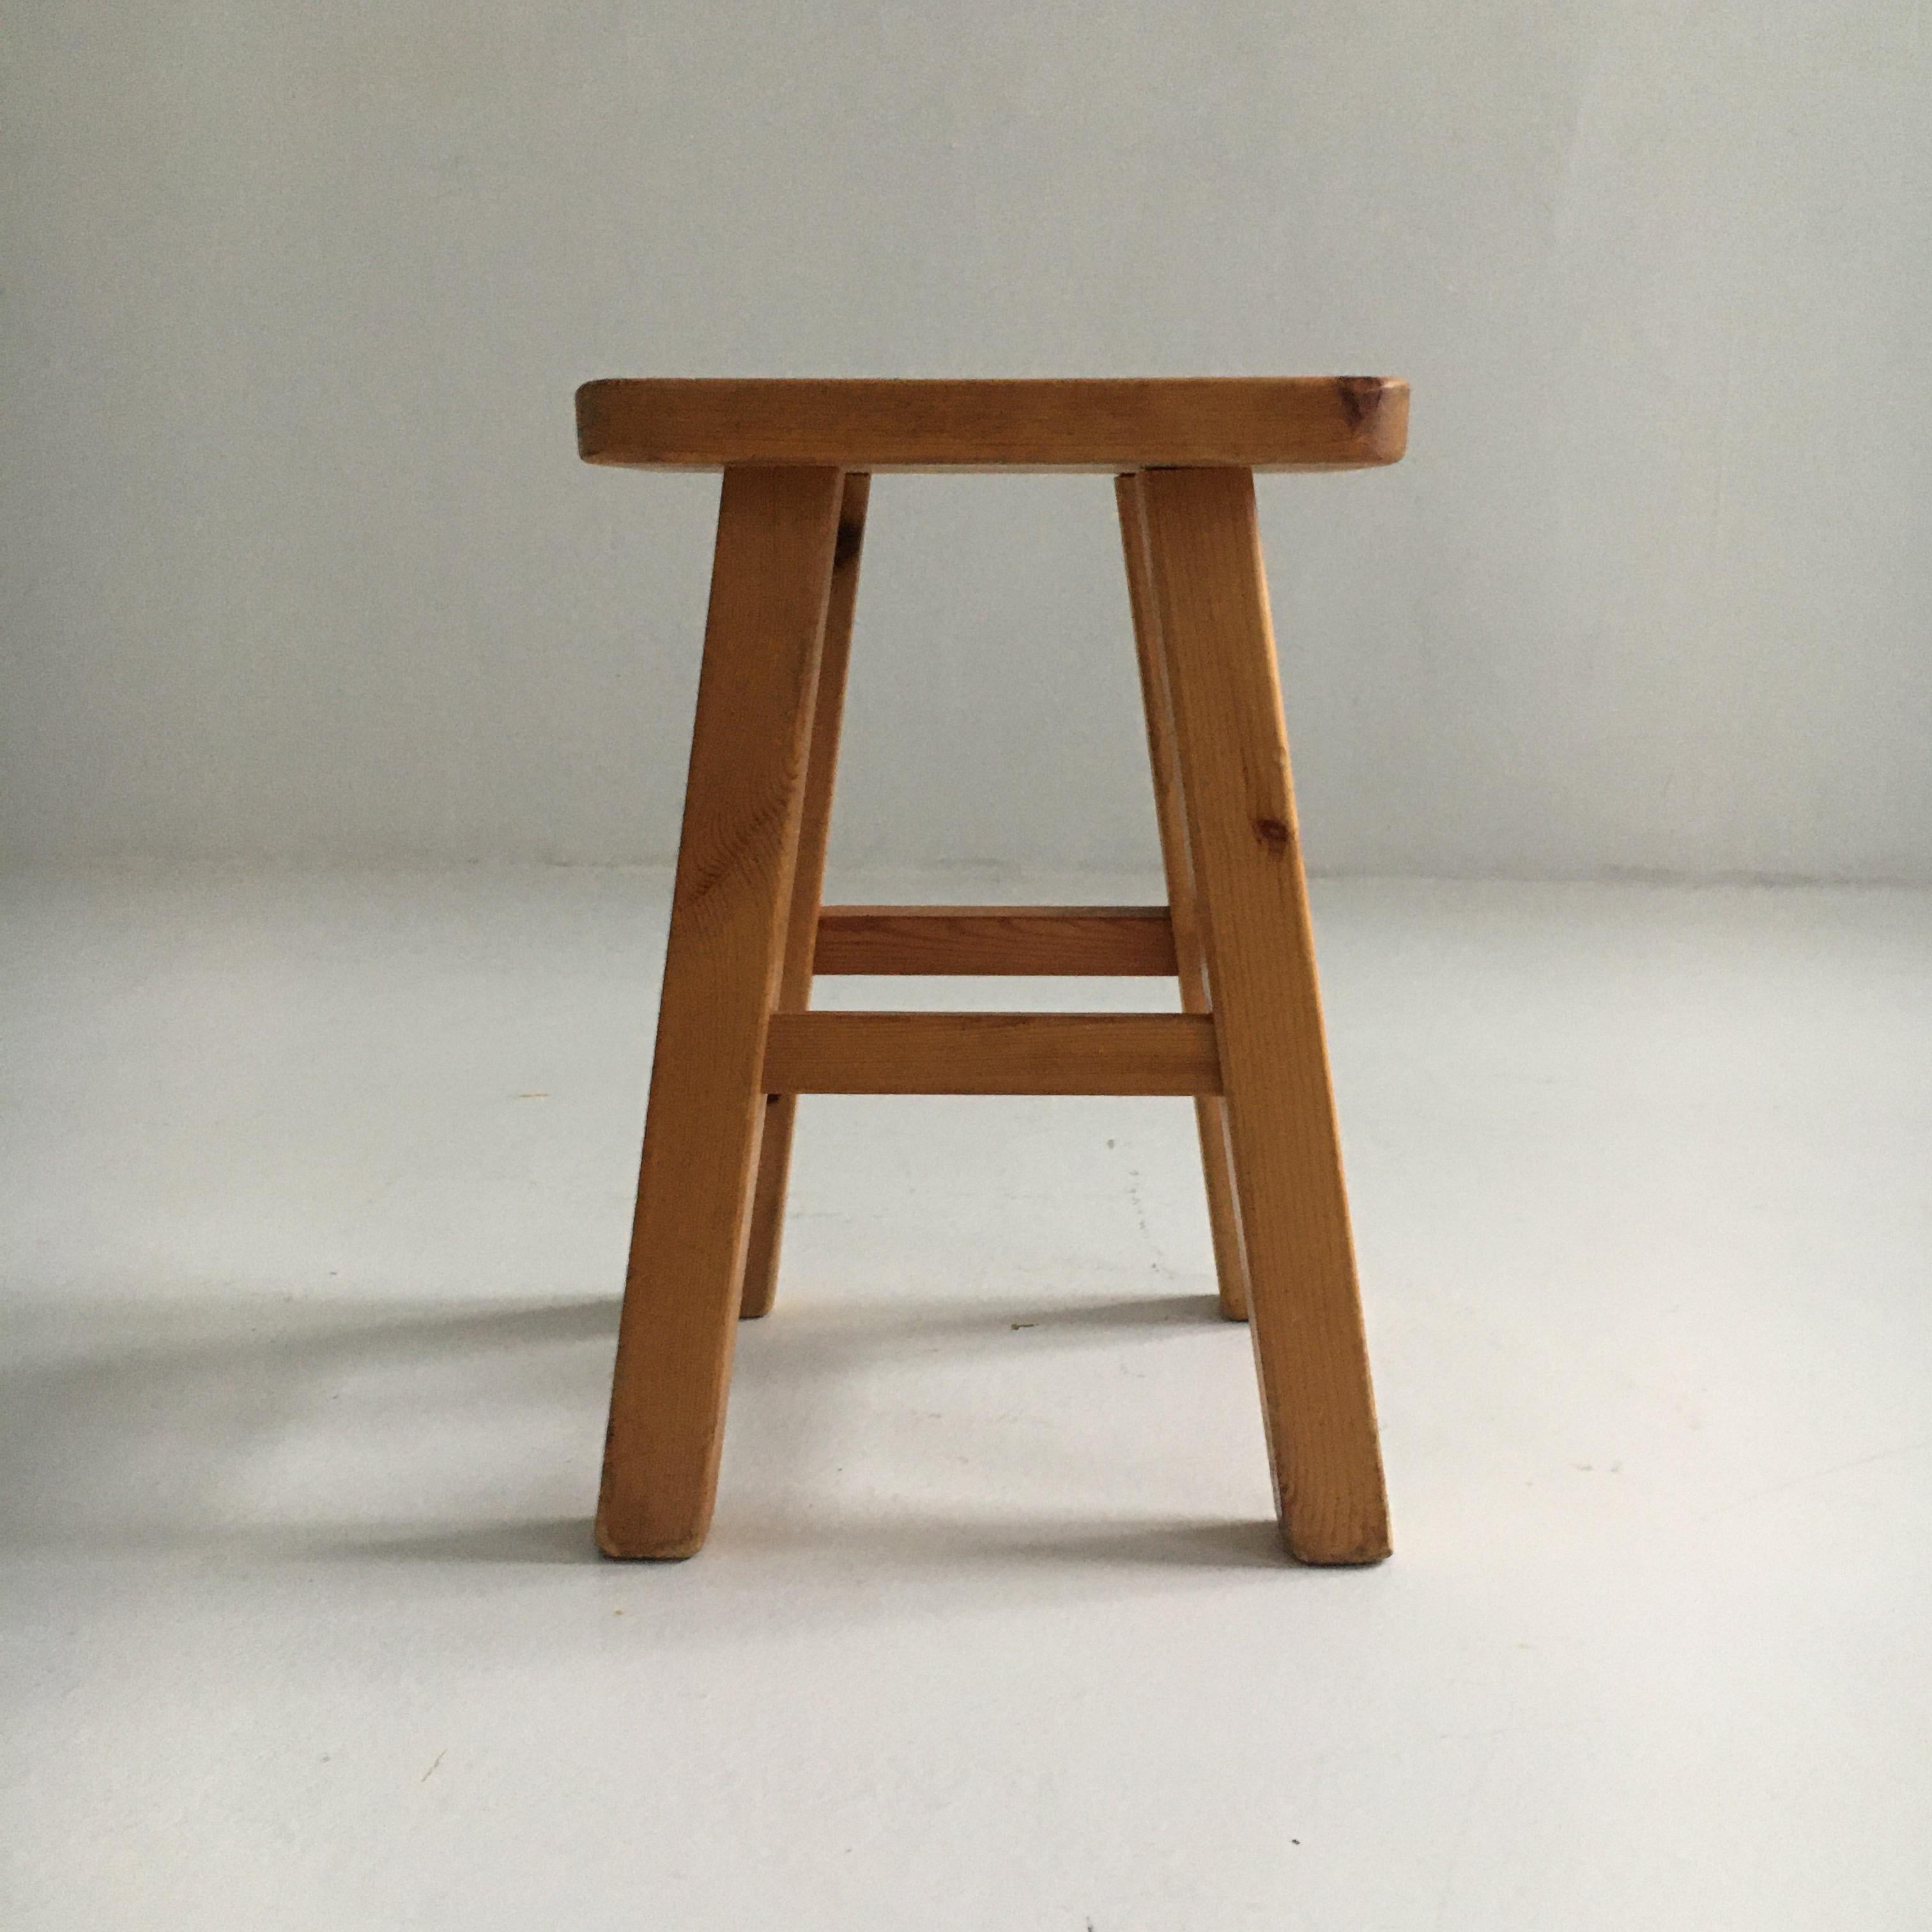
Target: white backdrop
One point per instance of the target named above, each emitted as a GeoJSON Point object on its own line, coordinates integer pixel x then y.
{"type": "Point", "coordinates": [297, 562]}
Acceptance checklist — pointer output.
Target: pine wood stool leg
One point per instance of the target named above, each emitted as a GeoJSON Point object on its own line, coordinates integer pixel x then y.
{"type": "Point", "coordinates": [768, 1192]}
{"type": "Point", "coordinates": [1211, 1114]}
{"type": "Point", "coordinates": [770, 580]}
{"type": "Point", "coordinates": [1304, 1309]}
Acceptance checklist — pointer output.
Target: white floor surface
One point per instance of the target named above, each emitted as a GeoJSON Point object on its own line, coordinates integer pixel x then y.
{"type": "Point", "coordinates": [313, 1200]}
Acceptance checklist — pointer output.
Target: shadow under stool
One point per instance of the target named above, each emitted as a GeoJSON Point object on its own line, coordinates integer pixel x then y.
{"type": "Point", "coordinates": [736, 1039]}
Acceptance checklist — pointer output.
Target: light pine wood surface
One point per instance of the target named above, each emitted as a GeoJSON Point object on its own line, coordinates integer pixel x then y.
{"type": "Point", "coordinates": [771, 577]}
{"type": "Point", "coordinates": [766, 1239]}
{"type": "Point", "coordinates": [992, 1053]}
{"type": "Point", "coordinates": [1021, 941]}
{"type": "Point", "coordinates": [1211, 1114]}
{"type": "Point", "coordinates": [1284, 422]}
{"type": "Point", "coordinates": [1304, 1309]}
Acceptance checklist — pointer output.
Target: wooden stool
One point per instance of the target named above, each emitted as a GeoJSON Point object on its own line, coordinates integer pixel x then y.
{"type": "Point", "coordinates": [736, 1041]}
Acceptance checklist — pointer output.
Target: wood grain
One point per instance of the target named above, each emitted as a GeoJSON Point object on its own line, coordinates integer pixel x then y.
{"type": "Point", "coordinates": [766, 1241]}
{"type": "Point", "coordinates": [992, 1053]}
{"type": "Point", "coordinates": [1102, 941]}
{"type": "Point", "coordinates": [1304, 1306]}
{"type": "Point", "coordinates": [1211, 1114]}
{"type": "Point", "coordinates": [1292, 422]}
{"type": "Point", "coordinates": [777, 530]}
